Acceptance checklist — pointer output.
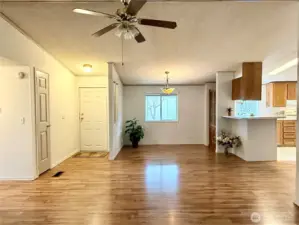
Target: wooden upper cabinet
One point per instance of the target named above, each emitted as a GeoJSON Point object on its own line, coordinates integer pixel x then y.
{"type": "Point", "coordinates": [276, 94]}
{"type": "Point", "coordinates": [249, 86]}
{"type": "Point", "coordinates": [291, 86]}
{"type": "Point", "coordinates": [236, 89]}
{"type": "Point", "coordinates": [251, 82]}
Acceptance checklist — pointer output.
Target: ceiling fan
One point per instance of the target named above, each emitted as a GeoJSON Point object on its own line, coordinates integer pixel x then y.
{"type": "Point", "coordinates": [126, 20]}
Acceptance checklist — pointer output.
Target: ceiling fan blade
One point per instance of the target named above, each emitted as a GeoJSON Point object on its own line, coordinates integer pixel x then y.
{"type": "Point", "coordinates": [93, 13]}
{"type": "Point", "coordinates": [158, 23]}
{"type": "Point", "coordinates": [139, 38]}
{"type": "Point", "coordinates": [105, 30]}
{"type": "Point", "coordinates": [134, 6]}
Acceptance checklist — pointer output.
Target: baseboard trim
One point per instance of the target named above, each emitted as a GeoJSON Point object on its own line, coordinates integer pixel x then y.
{"type": "Point", "coordinates": [64, 158]}
{"type": "Point", "coordinates": [130, 145]}
{"type": "Point", "coordinates": [17, 178]}
{"type": "Point", "coordinates": [113, 156]}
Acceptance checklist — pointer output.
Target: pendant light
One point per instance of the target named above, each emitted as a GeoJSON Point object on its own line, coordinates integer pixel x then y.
{"type": "Point", "coordinates": [167, 90]}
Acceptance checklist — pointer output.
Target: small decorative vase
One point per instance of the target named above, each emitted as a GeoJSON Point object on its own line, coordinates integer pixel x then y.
{"type": "Point", "coordinates": [226, 151]}
{"type": "Point", "coordinates": [229, 113]}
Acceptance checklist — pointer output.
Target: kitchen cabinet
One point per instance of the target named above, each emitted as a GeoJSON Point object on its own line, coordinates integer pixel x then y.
{"type": "Point", "coordinates": [291, 91]}
{"type": "Point", "coordinates": [236, 89]}
{"type": "Point", "coordinates": [279, 130]}
{"type": "Point", "coordinates": [277, 93]}
{"type": "Point", "coordinates": [249, 86]}
{"type": "Point", "coordinates": [286, 133]}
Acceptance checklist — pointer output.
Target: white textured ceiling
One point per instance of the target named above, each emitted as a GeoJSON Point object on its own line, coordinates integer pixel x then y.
{"type": "Point", "coordinates": [210, 36]}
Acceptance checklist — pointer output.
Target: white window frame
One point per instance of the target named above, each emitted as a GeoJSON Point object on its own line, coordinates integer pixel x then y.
{"type": "Point", "coordinates": [162, 121]}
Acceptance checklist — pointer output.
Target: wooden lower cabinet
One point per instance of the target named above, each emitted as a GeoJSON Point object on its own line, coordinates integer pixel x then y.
{"type": "Point", "coordinates": [286, 133]}
{"type": "Point", "coordinates": [279, 130]}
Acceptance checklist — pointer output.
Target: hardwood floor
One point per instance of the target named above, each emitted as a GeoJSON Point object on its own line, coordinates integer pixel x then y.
{"type": "Point", "coordinates": [155, 185]}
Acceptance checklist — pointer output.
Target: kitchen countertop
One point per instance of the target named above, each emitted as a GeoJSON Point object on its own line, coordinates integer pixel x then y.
{"type": "Point", "coordinates": [254, 117]}
{"type": "Point", "coordinates": [288, 118]}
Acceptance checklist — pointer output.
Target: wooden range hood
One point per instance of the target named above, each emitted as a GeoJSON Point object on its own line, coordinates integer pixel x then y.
{"type": "Point", "coordinates": [249, 86]}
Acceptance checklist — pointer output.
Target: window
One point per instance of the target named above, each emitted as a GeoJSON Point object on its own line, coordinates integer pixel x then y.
{"type": "Point", "coordinates": [246, 108]}
{"type": "Point", "coordinates": [161, 108]}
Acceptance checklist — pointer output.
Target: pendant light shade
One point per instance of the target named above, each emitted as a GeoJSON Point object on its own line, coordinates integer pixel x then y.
{"type": "Point", "coordinates": [167, 90]}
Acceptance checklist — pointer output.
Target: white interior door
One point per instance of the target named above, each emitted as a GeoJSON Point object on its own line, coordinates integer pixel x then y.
{"type": "Point", "coordinates": [93, 119]}
{"type": "Point", "coordinates": [42, 120]}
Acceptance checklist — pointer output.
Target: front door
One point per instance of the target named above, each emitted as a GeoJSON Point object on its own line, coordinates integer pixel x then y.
{"type": "Point", "coordinates": [42, 120]}
{"type": "Point", "coordinates": [93, 119]}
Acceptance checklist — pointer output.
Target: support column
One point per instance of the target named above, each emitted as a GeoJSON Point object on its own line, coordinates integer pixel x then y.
{"type": "Point", "coordinates": [223, 101]}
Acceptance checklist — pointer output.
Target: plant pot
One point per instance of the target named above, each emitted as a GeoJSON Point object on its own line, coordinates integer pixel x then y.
{"type": "Point", "coordinates": [229, 113]}
{"type": "Point", "coordinates": [226, 151]}
{"type": "Point", "coordinates": [135, 144]}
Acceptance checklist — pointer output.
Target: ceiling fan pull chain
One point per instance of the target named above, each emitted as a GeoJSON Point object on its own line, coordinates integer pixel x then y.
{"type": "Point", "coordinates": [122, 50]}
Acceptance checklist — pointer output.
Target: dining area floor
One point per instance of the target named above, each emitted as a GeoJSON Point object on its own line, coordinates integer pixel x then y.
{"type": "Point", "coordinates": [154, 185]}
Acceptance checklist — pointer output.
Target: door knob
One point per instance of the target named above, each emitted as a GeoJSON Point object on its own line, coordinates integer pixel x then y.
{"type": "Point", "coordinates": [48, 125]}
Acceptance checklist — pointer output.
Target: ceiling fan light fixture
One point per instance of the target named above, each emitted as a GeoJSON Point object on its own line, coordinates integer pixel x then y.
{"type": "Point", "coordinates": [87, 68]}
{"type": "Point", "coordinates": [126, 31]}
{"type": "Point", "coordinates": [167, 90]}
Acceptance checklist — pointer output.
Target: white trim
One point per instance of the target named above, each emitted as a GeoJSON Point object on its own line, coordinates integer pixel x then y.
{"type": "Point", "coordinates": [114, 155]}
{"type": "Point", "coordinates": [17, 178]}
{"type": "Point", "coordinates": [64, 158]}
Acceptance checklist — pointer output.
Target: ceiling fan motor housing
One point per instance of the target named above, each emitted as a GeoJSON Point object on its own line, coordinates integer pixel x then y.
{"type": "Point", "coordinates": [125, 2]}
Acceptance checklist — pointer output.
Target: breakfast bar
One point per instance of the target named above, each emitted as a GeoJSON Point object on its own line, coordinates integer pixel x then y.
{"type": "Point", "coordinates": [258, 136]}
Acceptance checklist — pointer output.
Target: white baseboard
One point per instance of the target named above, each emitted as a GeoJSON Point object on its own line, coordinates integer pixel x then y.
{"type": "Point", "coordinates": [112, 154]}
{"type": "Point", "coordinates": [17, 178]}
{"type": "Point", "coordinates": [296, 203]}
{"type": "Point", "coordinates": [64, 158]}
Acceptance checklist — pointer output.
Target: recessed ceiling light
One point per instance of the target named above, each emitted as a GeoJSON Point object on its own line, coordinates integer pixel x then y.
{"type": "Point", "coordinates": [87, 68]}
{"type": "Point", "coordinates": [284, 67]}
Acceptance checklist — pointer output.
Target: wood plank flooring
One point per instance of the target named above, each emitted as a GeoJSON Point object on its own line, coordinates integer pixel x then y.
{"type": "Point", "coordinates": [155, 185]}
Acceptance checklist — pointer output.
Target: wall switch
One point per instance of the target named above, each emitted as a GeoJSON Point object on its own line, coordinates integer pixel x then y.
{"type": "Point", "coordinates": [23, 120]}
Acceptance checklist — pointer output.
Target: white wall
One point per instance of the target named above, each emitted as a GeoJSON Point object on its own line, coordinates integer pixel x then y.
{"type": "Point", "coordinates": [115, 127]}
{"type": "Point", "coordinates": [92, 81]}
{"type": "Point", "coordinates": [63, 102]}
{"type": "Point", "coordinates": [17, 160]}
{"type": "Point", "coordinates": [188, 130]}
{"type": "Point", "coordinates": [223, 101]}
{"type": "Point", "coordinates": [208, 87]}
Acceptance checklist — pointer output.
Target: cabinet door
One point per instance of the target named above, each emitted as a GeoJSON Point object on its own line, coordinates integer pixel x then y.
{"type": "Point", "coordinates": [279, 95]}
{"type": "Point", "coordinates": [251, 82]}
{"type": "Point", "coordinates": [236, 89]}
{"type": "Point", "coordinates": [291, 91]}
{"type": "Point", "coordinates": [279, 132]}
{"type": "Point", "coordinates": [269, 90]}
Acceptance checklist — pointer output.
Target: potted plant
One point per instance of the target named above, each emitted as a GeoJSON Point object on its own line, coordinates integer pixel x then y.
{"type": "Point", "coordinates": [229, 111]}
{"type": "Point", "coordinates": [135, 132]}
{"type": "Point", "coordinates": [228, 141]}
